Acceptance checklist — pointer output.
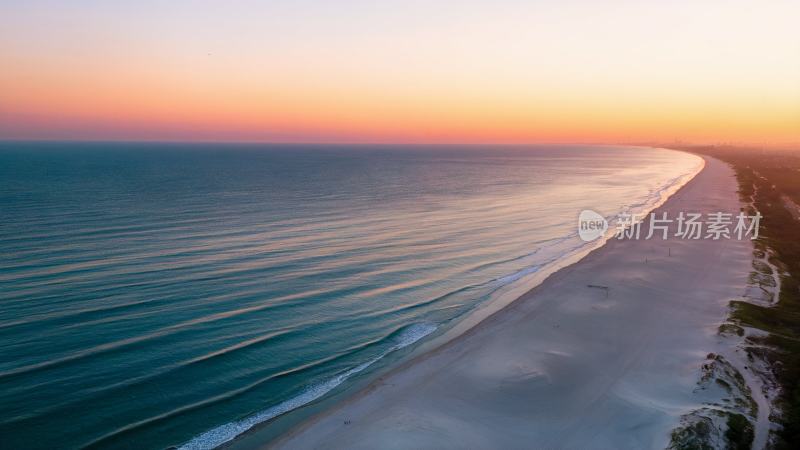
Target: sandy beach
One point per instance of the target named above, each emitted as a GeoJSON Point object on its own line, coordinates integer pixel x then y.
{"type": "Point", "coordinates": [400, 225]}
{"type": "Point", "coordinates": [568, 365]}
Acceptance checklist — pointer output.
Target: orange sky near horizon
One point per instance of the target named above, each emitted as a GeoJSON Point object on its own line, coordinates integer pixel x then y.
{"type": "Point", "coordinates": [507, 72]}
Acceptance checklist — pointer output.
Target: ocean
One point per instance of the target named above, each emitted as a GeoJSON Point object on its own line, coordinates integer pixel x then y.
{"type": "Point", "coordinates": [162, 294]}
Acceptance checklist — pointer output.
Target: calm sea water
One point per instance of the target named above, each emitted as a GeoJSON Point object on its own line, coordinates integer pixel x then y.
{"type": "Point", "coordinates": [154, 295]}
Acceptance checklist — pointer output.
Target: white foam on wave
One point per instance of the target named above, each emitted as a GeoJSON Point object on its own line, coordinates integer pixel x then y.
{"type": "Point", "coordinates": [563, 247]}
{"type": "Point", "coordinates": [224, 433]}
{"type": "Point", "coordinates": [413, 333]}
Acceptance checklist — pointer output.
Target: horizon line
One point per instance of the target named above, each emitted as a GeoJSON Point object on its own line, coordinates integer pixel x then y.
{"type": "Point", "coordinates": [676, 142]}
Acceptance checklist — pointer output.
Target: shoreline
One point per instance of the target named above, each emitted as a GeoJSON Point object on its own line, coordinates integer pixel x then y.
{"type": "Point", "coordinates": [485, 311]}
{"type": "Point", "coordinates": [249, 438]}
{"type": "Point", "coordinates": [324, 419]}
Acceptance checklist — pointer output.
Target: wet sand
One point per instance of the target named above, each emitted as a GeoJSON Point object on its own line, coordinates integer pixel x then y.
{"type": "Point", "coordinates": [567, 365]}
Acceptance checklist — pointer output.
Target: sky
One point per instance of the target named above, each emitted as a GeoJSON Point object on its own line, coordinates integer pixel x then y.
{"type": "Point", "coordinates": [503, 71]}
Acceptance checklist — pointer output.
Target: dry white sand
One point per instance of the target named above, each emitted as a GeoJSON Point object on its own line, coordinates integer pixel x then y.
{"type": "Point", "coordinates": [566, 366]}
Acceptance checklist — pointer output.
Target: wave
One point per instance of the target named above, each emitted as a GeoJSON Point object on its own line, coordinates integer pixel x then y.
{"type": "Point", "coordinates": [166, 293]}
{"type": "Point", "coordinates": [413, 333]}
{"type": "Point", "coordinates": [225, 433]}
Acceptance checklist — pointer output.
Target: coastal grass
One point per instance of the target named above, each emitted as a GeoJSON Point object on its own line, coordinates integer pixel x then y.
{"type": "Point", "coordinates": [765, 177]}
{"type": "Point", "coordinates": [739, 433]}
{"type": "Point", "coordinates": [701, 431]}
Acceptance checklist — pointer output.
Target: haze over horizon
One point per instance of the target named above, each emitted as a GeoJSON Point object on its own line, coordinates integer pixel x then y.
{"type": "Point", "coordinates": [401, 72]}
